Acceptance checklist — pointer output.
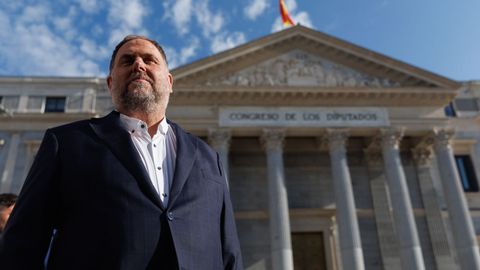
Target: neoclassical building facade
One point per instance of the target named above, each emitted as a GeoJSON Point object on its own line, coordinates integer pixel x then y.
{"type": "Point", "coordinates": [337, 157]}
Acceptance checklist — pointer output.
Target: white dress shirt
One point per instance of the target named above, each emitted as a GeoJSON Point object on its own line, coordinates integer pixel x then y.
{"type": "Point", "coordinates": [158, 153]}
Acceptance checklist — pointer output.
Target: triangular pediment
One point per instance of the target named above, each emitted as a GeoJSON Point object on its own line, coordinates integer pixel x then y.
{"type": "Point", "coordinates": [300, 69]}
{"type": "Point", "coordinates": [302, 57]}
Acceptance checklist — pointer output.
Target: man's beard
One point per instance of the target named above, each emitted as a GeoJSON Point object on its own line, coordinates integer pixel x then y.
{"type": "Point", "coordinates": [141, 100]}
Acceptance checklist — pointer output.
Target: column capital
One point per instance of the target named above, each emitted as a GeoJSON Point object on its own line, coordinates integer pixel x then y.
{"type": "Point", "coordinates": [391, 137]}
{"type": "Point", "coordinates": [443, 138]}
{"type": "Point", "coordinates": [422, 151]}
{"type": "Point", "coordinates": [373, 156]}
{"type": "Point", "coordinates": [219, 137]}
{"type": "Point", "coordinates": [273, 138]}
{"type": "Point", "coordinates": [373, 151]}
{"type": "Point", "coordinates": [422, 155]}
{"type": "Point", "coordinates": [336, 138]}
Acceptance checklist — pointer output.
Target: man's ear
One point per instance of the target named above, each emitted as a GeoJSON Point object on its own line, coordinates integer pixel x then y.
{"type": "Point", "coordinates": [109, 84]}
{"type": "Point", "coordinates": [170, 81]}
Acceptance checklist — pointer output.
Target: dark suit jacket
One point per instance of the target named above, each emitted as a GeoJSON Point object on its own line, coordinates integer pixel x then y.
{"type": "Point", "coordinates": [88, 183]}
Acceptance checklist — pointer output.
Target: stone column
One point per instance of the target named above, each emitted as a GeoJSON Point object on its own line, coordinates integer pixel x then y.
{"type": "Point", "coordinates": [280, 238]}
{"type": "Point", "coordinates": [422, 157]}
{"type": "Point", "coordinates": [463, 233]}
{"type": "Point", "coordinates": [219, 139]}
{"type": "Point", "coordinates": [349, 233]}
{"type": "Point", "coordinates": [7, 175]}
{"type": "Point", "coordinates": [410, 250]}
{"type": "Point", "coordinates": [382, 207]}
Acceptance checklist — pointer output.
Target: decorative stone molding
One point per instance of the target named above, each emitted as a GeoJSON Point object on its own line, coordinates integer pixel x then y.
{"type": "Point", "coordinates": [219, 138]}
{"type": "Point", "coordinates": [309, 96]}
{"type": "Point", "coordinates": [422, 155]}
{"type": "Point", "coordinates": [373, 157]}
{"type": "Point", "coordinates": [422, 152]}
{"type": "Point", "coordinates": [391, 137]}
{"type": "Point", "coordinates": [337, 138]}
{"type": "Point", "coordinates": [298, 68]}
{"type": "Point", "coordinates": [443, 138]}
{"type": "Point", "coordinates": [273, 138]}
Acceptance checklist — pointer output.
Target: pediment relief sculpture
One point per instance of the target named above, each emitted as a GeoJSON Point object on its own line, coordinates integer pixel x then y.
{"type": "Point", "coordinates": [298, 68]}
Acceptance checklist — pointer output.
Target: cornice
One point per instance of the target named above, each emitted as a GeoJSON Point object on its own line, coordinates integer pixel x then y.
{"type": "Point", "coordinates": [52, 80]}
{"type": "Point", "coordinates": [308, 96]}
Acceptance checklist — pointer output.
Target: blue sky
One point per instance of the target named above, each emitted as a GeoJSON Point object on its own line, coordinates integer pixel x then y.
{"type": "Point", "coordinates": [76, 37]}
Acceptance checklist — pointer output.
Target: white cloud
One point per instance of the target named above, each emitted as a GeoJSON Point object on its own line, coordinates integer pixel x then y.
{"type": "Point", "coordinates": [129, 13]}
{"type": "Point", "coordinates": [50, 54]}
{"type": "Point", "coordinates": [34, 14]}
{"type": "Point", "coordinates": [65, 25]}
{"type": "Point", "coordinates": [188, 52]}
{"type": "Point", "coordinates": [126, 17]}
{"type": "Point", "coordinates": [176, 58]}
{"type": "Point", "coordinates": [255, 9]}
{"type": "Point", "coordinates": [291, 5]}
{"type": "Point", "coordinates": [210, 22]}
{"type": "Point", "coordinates": [180, 13]}
{"type": "Point", "coordinates": [90, 49]}
{"type": "Point", "coordinates": [303, 18]}
{"type": "Point", "coordinates": [89, 6]}
{"type": "Point", "coordinates": [44, 44]}
{"type": "Point", "coordinates": [224, 41]}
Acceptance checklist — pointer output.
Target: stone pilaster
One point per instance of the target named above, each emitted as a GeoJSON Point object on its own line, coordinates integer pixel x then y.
{"type": "Point", "coordinates": [422, 156]}
{"type": "Point", "coordinates": [382, 207]}
{"type": "Point", "coordinates": [219, 139]}
{"type": "Point", "coordinates": [463, 233]}
{"type": "Point", "coordinates": [280, 235]}
{"type": "Point", "coordinates": [349, 233]}
{"type": "Point", "coordinates": [410, 250]}
{"type": "Point", "coordinates": [7, 175]}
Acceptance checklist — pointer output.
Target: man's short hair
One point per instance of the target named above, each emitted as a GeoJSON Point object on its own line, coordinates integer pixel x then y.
{"type": "Point", "coordinates": [132, 37]}
{"type": "Point", "coordinates": [7, 200]}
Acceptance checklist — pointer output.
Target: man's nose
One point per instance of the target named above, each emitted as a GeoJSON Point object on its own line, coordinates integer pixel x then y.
{"type": "Point", "coordinates": [139, 65]}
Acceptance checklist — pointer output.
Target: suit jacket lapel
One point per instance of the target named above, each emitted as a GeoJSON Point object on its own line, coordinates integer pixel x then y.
{"type": "Point", "coordinates": [186, 155]}
{"type": "Point", "coordinates": [118, 140]}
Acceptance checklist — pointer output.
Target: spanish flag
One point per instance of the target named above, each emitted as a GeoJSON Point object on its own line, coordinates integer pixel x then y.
{"type": "Point", "coordinates": [286, 19]}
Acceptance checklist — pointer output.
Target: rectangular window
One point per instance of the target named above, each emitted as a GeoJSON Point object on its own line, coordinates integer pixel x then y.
{"type": "Point", "coordinates": [466, 171]}
{"type": "Point", "coordinates": [466, 104]}
{"type": "Point", "coordinates": [450, 110]}
{"type": "Point", "coordinates": [55, 104]}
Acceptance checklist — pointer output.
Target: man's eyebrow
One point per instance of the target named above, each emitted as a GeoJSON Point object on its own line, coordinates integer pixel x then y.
{"type": "Point", "coordinates": [133, 55]}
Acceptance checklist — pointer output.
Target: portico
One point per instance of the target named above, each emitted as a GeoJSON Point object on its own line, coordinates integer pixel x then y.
{"type": "Point", "coordinates": [336, 157]}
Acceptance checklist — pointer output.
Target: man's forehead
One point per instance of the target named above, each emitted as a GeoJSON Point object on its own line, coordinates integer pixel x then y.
{"type": "Point", "coordinates": [137, 46]}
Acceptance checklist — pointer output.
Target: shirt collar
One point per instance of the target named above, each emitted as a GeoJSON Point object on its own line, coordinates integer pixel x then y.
{"type": "Point", "coordinates": [135, 125]}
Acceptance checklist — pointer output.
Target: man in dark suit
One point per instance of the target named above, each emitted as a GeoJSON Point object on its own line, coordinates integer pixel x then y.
{"type": "Point", "coordinates": [131, 190]}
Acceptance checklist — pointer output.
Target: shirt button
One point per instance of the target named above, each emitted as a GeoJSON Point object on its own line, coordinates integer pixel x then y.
{"type": "Point", "coordinates": [154, 145]}
{"type": "Point", "coordinates": [170, 216]}
{"type": "Point", "coordinates": [159, 168]}
{"type": "Point", "coordinates": [142, 126]}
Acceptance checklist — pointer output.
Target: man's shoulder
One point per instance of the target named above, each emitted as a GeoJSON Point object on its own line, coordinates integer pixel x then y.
{"type": "Point", "coordinates": [78, 125]}
{"type": "Point", "coordinates": [179, 131]}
